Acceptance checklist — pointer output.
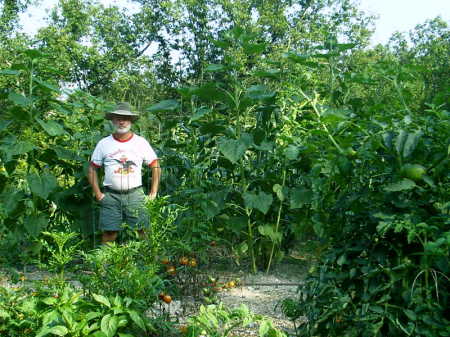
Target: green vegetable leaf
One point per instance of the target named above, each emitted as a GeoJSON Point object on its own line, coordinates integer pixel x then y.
{"type": "Point", "coordinates": [137, 319]}
{"type": "Point", "coordinates": [299, 197]}
{"type": "Point", "coordinates": [402, 185]}
{"type": "Point", "coordinates": [260, 201]}
{"type": "Point", "coordinates": [9, 72]}
{"type": "Point", "coordinates": [102, 299]}
{"type": "Point", "coordinates": [270, 232]}
{"type": "Point", "coordinates": [34, 225]}
{"type": "Point", "coordinates": [400, 141]}
{"type": "Point", "coordinates": [411, 143]}
{"type": "Point", "coordinates": [58, 330]}
{"type": "Point", "coordinates": [233, 149]}
{"type": "Point", "coordinates": [42, 185]}
{"type": "Point", "coordinates": [46, 85]}
{"type": "Point", "coordinates": [19, 99]}
{"type": "Point", "coordinates": [259, 92]}
{"type": "Point", "coordinates": [53, 128]}
{"type": "Point", "coordinates": [109, 325]}
{"type": "Point", "coordinates": [291, 152]}
{"type": "Point", "coordinates": [279, 191]}
{"type": "Point", "coordinates": [215, 67]}
{"type": "Point", "coordinates": [164, 106]}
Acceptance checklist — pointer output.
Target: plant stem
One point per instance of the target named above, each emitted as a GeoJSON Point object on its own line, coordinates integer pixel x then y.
{"type": "Point", "coordinates": [278, 222]}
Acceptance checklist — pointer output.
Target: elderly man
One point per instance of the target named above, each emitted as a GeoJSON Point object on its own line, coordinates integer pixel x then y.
{"type": "Point", "coordinates": [122, 154]}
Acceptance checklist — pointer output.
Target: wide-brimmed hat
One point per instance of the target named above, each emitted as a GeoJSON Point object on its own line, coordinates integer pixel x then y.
{"type": "Point", "coordinates": [123, 109]}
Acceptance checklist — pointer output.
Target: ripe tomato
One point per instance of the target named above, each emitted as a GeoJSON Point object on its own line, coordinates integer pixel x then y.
{"type": "Point", "coordinates": [167, 299]}
{"type": "Point", "coordinates": [184, 260]}
{"type": "Point", "coordinates": [231, 284]}
{"type": "Point", "coordinates": [171, 270]}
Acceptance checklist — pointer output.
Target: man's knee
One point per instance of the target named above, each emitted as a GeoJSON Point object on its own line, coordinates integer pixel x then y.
{"type": "Point", "coordinates": [109, 236]}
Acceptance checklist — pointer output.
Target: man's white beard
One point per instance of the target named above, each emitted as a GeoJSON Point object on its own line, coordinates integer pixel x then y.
{"type": "Point", "coordinates": [122, 130]}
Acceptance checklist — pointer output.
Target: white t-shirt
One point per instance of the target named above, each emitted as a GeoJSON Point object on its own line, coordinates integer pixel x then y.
{"type": "Point", "coordinates": [122, 160]}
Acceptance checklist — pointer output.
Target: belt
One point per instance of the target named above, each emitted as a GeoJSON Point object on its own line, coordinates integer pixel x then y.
{"type": "Point", "coordinates": [108, 189]}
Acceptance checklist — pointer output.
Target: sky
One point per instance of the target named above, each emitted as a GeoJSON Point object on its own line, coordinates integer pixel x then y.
{"type": "Point", "coordinates": [393, 15]}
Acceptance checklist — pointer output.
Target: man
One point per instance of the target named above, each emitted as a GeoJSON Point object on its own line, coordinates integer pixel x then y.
{"type": "Point", "coordinates": [122, 155]}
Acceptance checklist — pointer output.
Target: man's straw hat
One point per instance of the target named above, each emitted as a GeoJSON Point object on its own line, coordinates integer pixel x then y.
{"type": "Point", "coordinates": [123, 109]}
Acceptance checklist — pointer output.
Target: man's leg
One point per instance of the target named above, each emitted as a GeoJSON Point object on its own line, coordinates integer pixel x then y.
{"type": "Point", "coordinates": [109, 236]}
{"type": "Point", "coordinates": [136, 213]}
{"type": "Point", "coordinates": [110, 217]}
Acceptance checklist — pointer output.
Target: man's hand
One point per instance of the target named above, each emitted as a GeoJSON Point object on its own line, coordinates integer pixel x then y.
{"type": "Point", "coordinates": [152, 196]}
{"type": "Point", "coordinates": [100, 196]}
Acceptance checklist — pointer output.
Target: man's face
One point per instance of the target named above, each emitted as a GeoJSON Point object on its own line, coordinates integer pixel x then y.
{"type": "Point", "coordinates": [122, 124]}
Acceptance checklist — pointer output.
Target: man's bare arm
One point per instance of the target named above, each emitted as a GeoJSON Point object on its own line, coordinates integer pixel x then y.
{"type": "Point", "coordinates": [93, 180]}
{"type": "Point", "coordinates": [156, 176]}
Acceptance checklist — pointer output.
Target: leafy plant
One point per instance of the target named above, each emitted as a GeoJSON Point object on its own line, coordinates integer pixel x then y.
{"type": "Point", "coordinates": [128, 270]}
{"type": "Point", "coordinates": [221, 321]}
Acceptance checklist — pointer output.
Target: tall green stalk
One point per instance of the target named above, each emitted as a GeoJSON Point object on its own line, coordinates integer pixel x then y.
{"type": "Point", "coordinates": [277, 226]}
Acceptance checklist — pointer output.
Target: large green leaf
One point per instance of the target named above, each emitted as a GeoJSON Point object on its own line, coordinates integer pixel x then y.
{"type": "Point", "coordinates": [53, 128]}
{"type": "Point", "coordinates": [215, 67]}
{"type": "Point", "coordinates": [4, 124]}
{"type": "Point", "coordinates": [199, 113]}
{"type": "Point", "coordinates": [10, 200]}
{"type": "Point", "coordinates": [217, 127]}
{"type": "Point", "coordinates": [270, 232]}
{"type": "Point", "coordinates": [213, 202]}
{"type": "Point", "coordinates": [46, 85]}
{"type": "Point", "coordinates": [260, 92]}
{"type": "Point", "coordinates": [210, 92]}
{"type": "Point", "coordinates": [269, 73]}
{"type": "Point", "coordinates": [411, 143]}
{"type": "Point", "coordinates": [42, 185]}
{"type": "Point", "coordinates": [109, 325]}
{"type": "Point", "coordinates": [102, 299]}
{"type": "Point", "coordinates": [402, 185]}
{"type": "Point", "coordinates": [233, 149]}
{"type": "Point", "coordinates": [137, 319]}
{"type": "Point", "coordinates": [58, 330]}
{"type": "Point", "coordinates": [19, 99]}
{"type": "Point", "coordinates": [260, 201]}
{"type": "Point", "coordinates": [20, 148]}
{"type": "Point", "coordinates": [300, 196]}
{"type": "Point", "coordinates": [400, 141]}
{"type": "Point", "coordinates": [297, 58]}
{"type": "Point", "coordinates": [292, 152]}
{"type": "Point", "coordinates": [280, 191]}
{"type": "Point", "coordinates": [9, 72]}
{"type": "Point", "coordinates": [13, 149]}
{"type": "Point", "coordinates": [164, 106]}
{"type": "Point", "coordinates": [34, 225]}
{"type": "Point", "coordinates": [68, 154]}
{"type": "Point", "coordinates": [253, 48]}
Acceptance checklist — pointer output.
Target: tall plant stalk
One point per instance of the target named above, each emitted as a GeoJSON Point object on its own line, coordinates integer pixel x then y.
{"type": "Point", "coordinates": [277, 226]}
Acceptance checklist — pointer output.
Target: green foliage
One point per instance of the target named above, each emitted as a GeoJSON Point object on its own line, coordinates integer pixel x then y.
{"type": "Point", "coordinates": [64, 252]}
{"type": "Point", "coordinates": [68, 312]}
{"type": "Point", "coordinates": [129, 270]}
{"type": "Point", "coordinates": [221, 321]}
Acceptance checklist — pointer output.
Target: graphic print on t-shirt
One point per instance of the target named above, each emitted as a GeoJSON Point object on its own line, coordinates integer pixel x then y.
{"type": "Point", "coordinates": [126, 166]}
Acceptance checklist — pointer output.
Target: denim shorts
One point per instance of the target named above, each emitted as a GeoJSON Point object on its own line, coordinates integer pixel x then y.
{"type": "Point", "coordinates": [119, 211]}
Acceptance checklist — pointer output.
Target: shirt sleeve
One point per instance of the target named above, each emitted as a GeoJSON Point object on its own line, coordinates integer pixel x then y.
{"type": "Point", "coordinates": [97, 156]}
{"type": "Point", "coordinates": [149, 154]}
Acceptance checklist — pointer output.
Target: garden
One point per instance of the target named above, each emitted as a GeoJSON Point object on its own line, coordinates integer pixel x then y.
{"type": "Point", "coordinates": [293, 154]}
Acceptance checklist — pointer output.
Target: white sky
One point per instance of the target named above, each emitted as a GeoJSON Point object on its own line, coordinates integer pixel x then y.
{"type": "Point", "coordinates": [394, 15]}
